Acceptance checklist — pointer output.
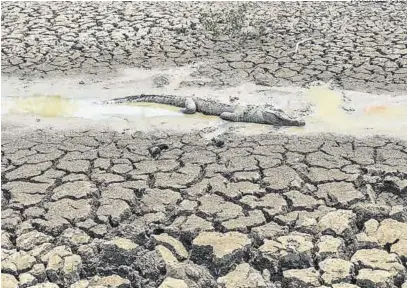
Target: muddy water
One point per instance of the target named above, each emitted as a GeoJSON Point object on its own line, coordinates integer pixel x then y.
{"type": "Point", "coordinates": [367, 117]}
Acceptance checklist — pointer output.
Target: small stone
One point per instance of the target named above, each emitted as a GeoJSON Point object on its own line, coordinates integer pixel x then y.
{"type": "Point", "coordinates": [339, 222]}
{"type": "Point", "coordinates": [173, 283]}
{"type": "Point", "coordinates": [301, 278]}
{"type": "Point", "coordinates": [336, 270]}
{"type": "Point", "coordinates": [172, 244]}
{"type": "Point", "coordinates": [8, 281]}
{"type": "Point", "coordinates": [243, 276]}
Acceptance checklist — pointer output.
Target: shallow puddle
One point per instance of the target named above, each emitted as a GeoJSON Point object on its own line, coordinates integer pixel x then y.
{"type": "Point", "coordinates": [329, 115]}
{"type": "Point", "coordinates": [57, 106]}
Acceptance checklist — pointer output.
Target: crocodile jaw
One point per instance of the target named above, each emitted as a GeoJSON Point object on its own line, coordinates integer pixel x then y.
{"type": "Point", "coordinates": [279, 118]}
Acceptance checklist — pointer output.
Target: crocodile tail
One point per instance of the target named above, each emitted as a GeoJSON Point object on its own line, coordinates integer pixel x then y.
{"type": "Point", "coordinates": [159, 99]}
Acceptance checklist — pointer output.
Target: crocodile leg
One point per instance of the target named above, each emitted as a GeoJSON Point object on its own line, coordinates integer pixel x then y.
{"type": "Point", "coordinates": [190, 107]}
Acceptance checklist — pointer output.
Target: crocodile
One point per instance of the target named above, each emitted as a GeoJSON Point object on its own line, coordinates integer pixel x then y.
{"type": "Point", "coordinates": [261, 114]}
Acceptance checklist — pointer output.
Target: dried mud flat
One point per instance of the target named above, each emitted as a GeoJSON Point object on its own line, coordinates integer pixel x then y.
{"type": "Point", "coordinates": [88, 206]}
{"type": "Point", "coordinates": [360, 45]}
{"type": "Point", "coordinates": [110, 209]}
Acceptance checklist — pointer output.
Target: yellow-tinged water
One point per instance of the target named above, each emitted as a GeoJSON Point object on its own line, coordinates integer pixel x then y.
{"type": "Point", "coordinates": [45, 106]}
{"type": "Point", "coordinates": [58, 106]}
{"type": "Point", "coordinates": [329, 116]}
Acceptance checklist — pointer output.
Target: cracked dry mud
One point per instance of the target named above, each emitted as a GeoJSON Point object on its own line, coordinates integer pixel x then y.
{"type": "Point", "coordinates": [111, 209]}
{"type": "Point", "coordinates": [360, 45]}
{"type": "Point", "coordinates": [90, 208]}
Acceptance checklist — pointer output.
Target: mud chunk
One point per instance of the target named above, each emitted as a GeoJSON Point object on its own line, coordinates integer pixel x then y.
{"type": "Point", "coordinates": [339, 222]}
{"type": "Point", "coordinates": [18, 262]}
{"type": "Point", "coordinates": [272, 204]}
{"type": "Point", "coordinates": [71, 269]}
{"type": "Point", "coordinates": [281, 177]}
{"type": "Point", "coordinates": [38, 271]}
{"type": "Point", "coordinates": [45, 285]}
{"type": "Point", "coordinates": [368, 278]}
{"type": "Point", "coordinates": [330, 247]}
{"type": "Point", "coordinates": [54, 267]}
{"type": "Point", "coordinates": [270, 230]}
{"type": "Point", "coordinates": [244, 223]}
{"type": "Point", "coordinates": [292, 251]}
{"type": "Point", "coordinates": [5, 241]}
{"type": "Point", "coordinates": [119, 251]}
{"type": "Point", "coordinates": [170, 282]}
{"type": "Point", "coordinates": [74, 166]}
{"type": "Point", "coordinates": [377, 259]}
{"type": "Point", "coordinates": [113, 281]}
{"type": "Point", "coordinates": [159, 200]}
{"type": "Point", "coordinates": [390, 231]}
{"type": "Point", "coordinates": [301, 278]}
{"type": "Point", "coordinates": [74, 190]}
{"type": "Point", "coordinates": [220, 249]}
{"type": "Point", "coordinates": [9, 281]}
{"type": "Point", "coordinates": [190, 226]}
{"type": "Point", "coordinates": [336, 270]}
{"type": "Point", "coordinates": [172, 244]}
{"type": "Point", "coordinates": [32, 239]}
{"type": "Point", "coordinates": [218, 208]}
{"type": "Point", "coordinates": [340, 193]}
{"type": "Point", "coordinates": [27, 280]}
{"type": "Point", "coordinates": [28, 171]}
{"type": "Point", "coordinates": [74, 237]}
{"type": "Point", "coordinates": [297, 200]}
{"type": "Point", "coordinates": [242, 276]}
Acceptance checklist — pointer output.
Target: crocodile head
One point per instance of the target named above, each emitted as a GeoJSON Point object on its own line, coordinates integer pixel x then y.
{"type": "Point", "coordinates": [279, 118]}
